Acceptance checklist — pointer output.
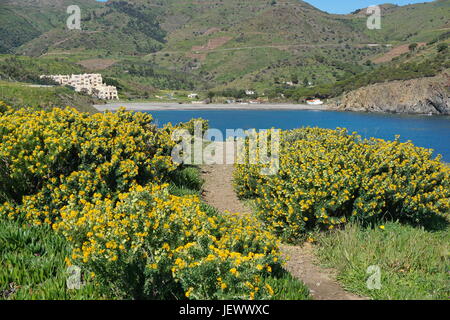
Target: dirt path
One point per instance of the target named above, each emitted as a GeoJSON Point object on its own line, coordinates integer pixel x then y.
{"type": "Point", "coordinates": [218, 192]}
{"type": "Point", "coordinates": [321, 282]}
{"type": "Point", "coordinates": [218, 189]}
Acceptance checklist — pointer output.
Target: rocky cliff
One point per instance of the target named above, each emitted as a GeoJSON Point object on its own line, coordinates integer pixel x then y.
{"type": "Point", "coordinates": [420, 96]}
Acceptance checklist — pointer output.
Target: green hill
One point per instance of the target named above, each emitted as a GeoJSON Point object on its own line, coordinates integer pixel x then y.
{"type": "Point", "coordinates": [172, 44]}
{"type": "Point", "coordinates": [255, 44]}
{"type": "Point", "coordinates": [25, 20]}
{"type": "Point", "coordinates": [427, 61]}
{"type": "Point", "coordinates": [34, 28]}
{"type": "Point", "coordinates": [18, 95]}
{"type": "Point", "coordinates": [412, 23]}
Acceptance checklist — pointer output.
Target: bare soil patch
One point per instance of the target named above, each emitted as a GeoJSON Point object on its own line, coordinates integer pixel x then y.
{"type": "Point", "coordinates": [395, 52]}
{"type": "Point", "coordinates": [198, 56]}
{"type": "Point", "coordinates": [211, 31]}
{"type": "Point", "coordinates": [212, 44]}
{"type": "Point", "coordinates": [97, 64]}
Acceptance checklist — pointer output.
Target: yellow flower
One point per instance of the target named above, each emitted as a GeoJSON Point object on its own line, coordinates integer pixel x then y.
{"type": "Point", "coordinates": [189, 292]}
{"type": "Point", "coordinates": [269, 289]}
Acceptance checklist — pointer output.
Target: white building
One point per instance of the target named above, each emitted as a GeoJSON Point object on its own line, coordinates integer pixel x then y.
{"type": "Point", "coordinates": [250, 92]}
{"type": "Point", "coordinates": [91, 84]}
{"type": "Point", "coordinates": [106, 92]}
{"type": "Point", "coordinates": [193, 96]}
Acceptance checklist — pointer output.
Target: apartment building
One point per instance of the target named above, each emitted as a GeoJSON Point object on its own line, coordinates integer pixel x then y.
{"type": "Point", "coordinates": [91, 84]}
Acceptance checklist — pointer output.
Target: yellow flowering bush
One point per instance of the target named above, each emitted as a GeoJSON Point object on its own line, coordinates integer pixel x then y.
{"type": "Point", "coordinates": [328, 177]}
{"type": "Point", "coordinates": [229, 264]}
{"type": "Point", "coordinates": [49, 156]}
{"type": "Point", "coordinates": [150, 244]}
{"type": "Point", "coordinates": [190, 126]}
{"type": "Point", "coordinates": [103, 182]}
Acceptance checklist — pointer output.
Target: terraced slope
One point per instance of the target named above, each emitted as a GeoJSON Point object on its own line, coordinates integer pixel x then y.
{"type": "Point", "coordinates": [116, 27]}
{"type": "Point", "coordinates": [412, 23]}
{"type": "Point", "coordinates": [226, 43]}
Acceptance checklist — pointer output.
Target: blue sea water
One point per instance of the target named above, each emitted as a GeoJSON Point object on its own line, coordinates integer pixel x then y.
{"type": "Point", "coordinates": [432, 132]}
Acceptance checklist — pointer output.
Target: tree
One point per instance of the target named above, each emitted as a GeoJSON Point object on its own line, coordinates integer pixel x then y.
{"type": "Point", "coordinates": [442, 47]}
{"type": "Point", "coordinates": [413, 46]}
{"type": "Point", "coordinates": [306, 82]}
{"type": "Point", "coordinates": [294, 79]}
{"type": "Point", "coordinates": [211, 95]}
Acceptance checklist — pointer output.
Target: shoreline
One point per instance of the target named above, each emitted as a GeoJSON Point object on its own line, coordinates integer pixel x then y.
{"type": "Point", "coordinates": [172, 106]}
{"type": "Point", "coordinates": [155, 106]}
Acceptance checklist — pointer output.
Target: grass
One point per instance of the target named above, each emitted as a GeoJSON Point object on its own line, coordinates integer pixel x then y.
{"type": "Point", "coordinates": [33, 266]}
{"type": "Point", "coordinates": [17, 94]}
{"type": "Point", "coordinates": [286, 287]}
{"type": "Point", "coordinates": [414, 262]}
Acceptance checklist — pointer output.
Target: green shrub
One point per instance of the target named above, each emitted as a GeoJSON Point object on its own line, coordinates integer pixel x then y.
{"type": "Point", "coordinates": [442, 47]}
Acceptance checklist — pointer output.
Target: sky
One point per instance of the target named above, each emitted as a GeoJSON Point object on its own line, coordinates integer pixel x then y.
{"type": "Point", "coordinates": [347, 6]}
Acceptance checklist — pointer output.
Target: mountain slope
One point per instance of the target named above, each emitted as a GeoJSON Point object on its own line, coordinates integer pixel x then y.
{"type": "Point", "coordinates": [427, 61]}
{"type": "Point", "coordinates": [235, 43]}
{"type": "Point", "coordinates": [25, 20]}
{"type": "Point", "coordinates": [226, 43]}
{"type": "Point", "coordinates": [120, 27]}
{"type": "Point", "coordinates": [413, 23]}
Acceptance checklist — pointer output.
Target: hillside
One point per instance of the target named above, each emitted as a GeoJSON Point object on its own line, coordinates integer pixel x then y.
{"type": "Point", "coordinates": [118, 27]}
{"type": "Point", "coordinates": [240, 43]}
{"type": "Point", "coordinates": [426, 61]}
{"type": "Point", "coordinates": [25, 20]}
{"type": "Point", "coordinates": [18, 95]}
{"type": "Point", "coordinates": [134, 78]}
{"type": "Point", "coordinates": [422, 96]}
{"type": "Point", "coordinates": [411, 23]}
{"type": "Point", "coordinates": [145, 45]}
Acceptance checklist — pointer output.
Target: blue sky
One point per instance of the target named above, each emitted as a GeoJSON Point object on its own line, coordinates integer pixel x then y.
{"type": "Point", "coordinates": [347, 6]}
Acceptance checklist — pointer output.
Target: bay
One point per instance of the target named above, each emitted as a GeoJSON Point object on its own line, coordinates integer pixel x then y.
{"type": "Point", "coordinates": [431, 132]}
